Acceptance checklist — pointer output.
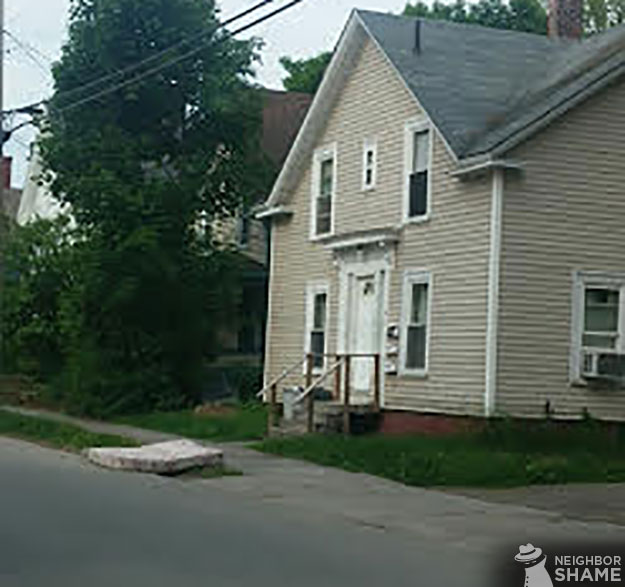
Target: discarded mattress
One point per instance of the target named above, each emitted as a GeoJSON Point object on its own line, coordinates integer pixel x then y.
{"type": "Point", "coordinates": [164, 458]}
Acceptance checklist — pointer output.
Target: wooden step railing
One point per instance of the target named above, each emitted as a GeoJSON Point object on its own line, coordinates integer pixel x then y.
{"type": "Point", "coordinates": [311, 383]}
{"type": "Point", "coordinates": [272, 387]}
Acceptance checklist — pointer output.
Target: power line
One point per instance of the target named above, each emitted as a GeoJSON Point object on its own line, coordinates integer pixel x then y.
{"type": "Point", "coordinates": [29, 51]}
{"type": "Point", "coordinates": [178, 59]}
{"type": "Point", "coordinates": [29, 46]}
{"type": "Point", "coordinates": [131, 68]}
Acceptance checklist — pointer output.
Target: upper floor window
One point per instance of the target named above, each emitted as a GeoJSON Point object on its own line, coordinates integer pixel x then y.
{"type": "Point", "coordinates": [415, 335]}
{"type": "Point", "coordinates": [418, 147]}
{"type": "Point", "coordinates": [323, 192]}
{"type": "Point", "coordinates": [369, 165]}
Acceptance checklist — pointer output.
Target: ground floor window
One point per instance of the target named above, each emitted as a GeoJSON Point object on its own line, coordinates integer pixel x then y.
{"type": "Point", "coordinates": [415, 323]}
{"type": "Point", "coordinates": [316, 323]}
{"type": "Point", "coordinates": [598, 323]}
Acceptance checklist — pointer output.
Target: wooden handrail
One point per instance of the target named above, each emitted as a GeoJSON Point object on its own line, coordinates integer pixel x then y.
{"type": "Point", "coordinates": [281, 377]}
{"type": "Point", "coordinates": [302, 396]}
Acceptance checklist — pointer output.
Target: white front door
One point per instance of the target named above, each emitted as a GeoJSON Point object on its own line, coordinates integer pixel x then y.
{"type": "Point", "coordinates": [364, 331]}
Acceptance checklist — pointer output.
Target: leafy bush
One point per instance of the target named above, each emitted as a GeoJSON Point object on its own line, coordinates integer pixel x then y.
{"type": "Point", "coordinates": [247, 380]}
{"type": "Point", "coordinates": [38, 271]}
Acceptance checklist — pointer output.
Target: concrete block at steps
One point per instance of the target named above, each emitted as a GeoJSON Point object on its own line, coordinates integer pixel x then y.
{"type": "Point", "coordinates": [164, 458]}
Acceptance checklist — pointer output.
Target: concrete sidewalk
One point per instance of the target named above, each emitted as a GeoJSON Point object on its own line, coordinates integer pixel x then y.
{"type": "Point", "coordinates": [479, 519]}
{"type": "Point", "coordinates": [597, 502]}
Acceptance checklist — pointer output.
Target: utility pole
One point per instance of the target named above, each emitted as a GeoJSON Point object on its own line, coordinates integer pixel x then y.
{"type": "Point", "coordinates": [2, 194]}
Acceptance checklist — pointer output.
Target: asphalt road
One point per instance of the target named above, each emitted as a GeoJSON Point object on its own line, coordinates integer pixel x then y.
{"type": "Point", "coordinates": [65, 523]}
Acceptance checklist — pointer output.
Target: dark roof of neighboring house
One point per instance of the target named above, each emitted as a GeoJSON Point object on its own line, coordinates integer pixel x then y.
{"type": "Point", "coordinates": [481, 86]}
{"type": "Point", "coordinates": [11, 202]}
{"type": "Point", "coordinates": [283, 114]}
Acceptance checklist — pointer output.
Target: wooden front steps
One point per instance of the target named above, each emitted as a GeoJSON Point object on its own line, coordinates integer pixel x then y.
{"type": "Point", "coordinates": [328, 418]}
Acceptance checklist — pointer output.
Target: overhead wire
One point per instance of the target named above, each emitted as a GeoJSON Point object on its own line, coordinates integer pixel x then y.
{"type": "Point", "coordinates": [177, 59]}
{"type": "Point", "coordinates": [135, 66]}
{"type": "Point", "coordinates": [29, 51]}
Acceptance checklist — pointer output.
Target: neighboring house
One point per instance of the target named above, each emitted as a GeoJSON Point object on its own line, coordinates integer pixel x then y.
{"type": "Point", "coordinates": [37, 201]}
{"type": "Point", "coordinates": [10, 197]}
{"type": "Point", "coordinates": [455, 201]}
{"type": "Point", "coordinates": [243, 341]}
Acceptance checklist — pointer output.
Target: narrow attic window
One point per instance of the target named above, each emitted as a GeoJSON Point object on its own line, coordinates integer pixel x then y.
{"type": "Point", "coordinates": [369, 165]}
{"type": "Point", "coordinates": [418, 176]}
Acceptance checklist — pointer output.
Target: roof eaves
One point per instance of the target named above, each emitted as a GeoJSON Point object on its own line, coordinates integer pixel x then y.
{"type": "Point", "coordinates": [323, 98]}
{"type": "Point", "coordinates": [536, 119]}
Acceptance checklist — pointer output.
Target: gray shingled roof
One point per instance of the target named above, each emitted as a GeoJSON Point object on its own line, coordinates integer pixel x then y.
{"type": "Point", "coordinates": [481, 86]}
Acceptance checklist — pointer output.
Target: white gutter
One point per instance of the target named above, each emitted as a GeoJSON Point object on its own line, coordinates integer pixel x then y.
{"type": "Point", "coordinates": [273, 212]}
{"type": "Point", "coordinates": [493, 292]}
{"type": "Point", "coordinates": [485, 165]}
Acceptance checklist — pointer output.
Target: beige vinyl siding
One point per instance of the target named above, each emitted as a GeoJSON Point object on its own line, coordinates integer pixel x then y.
{"type": "Point", "coordinates": [452, 245]}
{"type": "Point", "coordinates": [565, 212]}
{"type": "Point", "coordinates": [226, 232]}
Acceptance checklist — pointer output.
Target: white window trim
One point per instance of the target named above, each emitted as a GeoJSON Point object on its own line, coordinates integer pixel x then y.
{"type": "Point", "coordinates": [322, 154]}
{"type": "Point", "coordinates": [412, 127]}
{"type": "Point", "coordinates": [582, 280]}
{"type": "Point", "coordinates": [313, 289]}
{"type": "Point", "coordinates": [369, 145]}
{"type": "Point", "coordinates": [414, 277]}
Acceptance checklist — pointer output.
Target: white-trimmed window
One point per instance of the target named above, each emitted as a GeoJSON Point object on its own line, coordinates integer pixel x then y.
{"type": "Point", "coordinates": [598, 319]}
{"type": "Point", "coordinates": [415, 323]}
{"type": "Point", "coordinates": [369, 164]}
{"type": "Point", "coordinates": [417, 170]}
{"type": "Point", "coordinates": [317, 318]}
{"type": "Point", "coordinates": [323, 191]}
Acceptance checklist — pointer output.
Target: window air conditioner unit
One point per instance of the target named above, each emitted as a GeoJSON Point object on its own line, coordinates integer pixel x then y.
{"type": "Point", "coordinates": [603, 365]}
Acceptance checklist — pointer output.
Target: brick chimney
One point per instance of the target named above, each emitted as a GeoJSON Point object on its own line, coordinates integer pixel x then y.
{"type": "Point", "coordinates": [565, 19]}
{"type": "Point", "coordinates": [6, 172]}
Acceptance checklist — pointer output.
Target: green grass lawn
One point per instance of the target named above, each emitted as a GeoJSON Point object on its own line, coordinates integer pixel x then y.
{"type": "Point", "coordinates": [226, 424]}
{"type": "Point", "coordinates": [506, 454]}
{"type": "Point", "coordinates": [55, 434]}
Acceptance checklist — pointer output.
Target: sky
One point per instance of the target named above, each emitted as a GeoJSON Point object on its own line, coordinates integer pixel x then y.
{"type": "Point", "coordinates": [40, 25]}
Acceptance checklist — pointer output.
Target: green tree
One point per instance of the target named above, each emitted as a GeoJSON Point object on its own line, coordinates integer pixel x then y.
{"type": "Point", "coordinates": [519, 15]}
{"type": "Point", "coordinates": [305, 75]}
{"type": "Point", "coordinates": [39, 267]}
{"type": "Point", "coordinates": [147, 169]}
{"type": "Point", "coordinates": [602, 14]}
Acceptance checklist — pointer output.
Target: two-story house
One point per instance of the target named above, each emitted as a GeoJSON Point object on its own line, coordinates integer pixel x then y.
{"type": "Point", "coordinates": [455, 202]}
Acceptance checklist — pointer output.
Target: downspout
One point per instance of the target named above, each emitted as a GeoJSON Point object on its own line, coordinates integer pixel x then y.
{"type": "Point", "coordinates": [493, 292]}
{"type": "Point", "coordinates": [269, 231]}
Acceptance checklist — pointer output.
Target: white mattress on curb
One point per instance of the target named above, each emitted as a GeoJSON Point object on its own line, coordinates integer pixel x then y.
{"type": "Point", "coordinates": [173, 456]}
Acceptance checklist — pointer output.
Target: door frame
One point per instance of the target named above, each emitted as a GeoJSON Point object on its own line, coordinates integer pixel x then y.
{"type": "Point", "coordinates": [354, 264]}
